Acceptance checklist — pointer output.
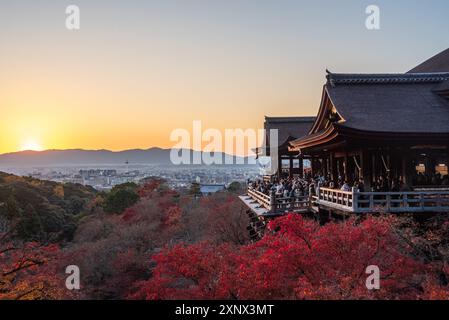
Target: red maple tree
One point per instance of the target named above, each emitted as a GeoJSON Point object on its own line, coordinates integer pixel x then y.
{"type": "Point", "coordinates": [30, 271]}
{"type": "Point", "coordinates": [297, 259]}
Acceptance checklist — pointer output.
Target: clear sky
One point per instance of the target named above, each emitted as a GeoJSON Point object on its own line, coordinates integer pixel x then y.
{"type": "Point", "coordinates": [136, 70]}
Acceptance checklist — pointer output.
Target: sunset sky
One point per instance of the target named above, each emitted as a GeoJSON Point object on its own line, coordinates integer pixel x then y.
{"type": "Point", "coordinates": [139, 69]}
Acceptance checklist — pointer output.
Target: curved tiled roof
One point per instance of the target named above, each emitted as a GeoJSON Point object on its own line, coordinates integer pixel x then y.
{"type": "Point", "coordinates": [406, 103]}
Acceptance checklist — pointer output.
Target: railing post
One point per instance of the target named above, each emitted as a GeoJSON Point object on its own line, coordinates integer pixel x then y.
{"type": "Point", "coordinates": [354, 199]}
{"type": "Point", "coordinates": [421, 201]}
{"type": "Point", "coordinates": [272, 201]}
{"type": "Point", "coordinates": [405, 200]}
{"type": "Point", "coordinates": [318, 197]}
{"type": "Point", "coordinates": [439, 201]}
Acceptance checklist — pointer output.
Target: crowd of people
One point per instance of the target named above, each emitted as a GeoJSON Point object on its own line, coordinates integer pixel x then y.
{"type": "Point", "coordinates": [302, 187]}
{"type": "Point", "coordinates": [283, 188]}
{"type": "Point", "coordinates": [437, 179]}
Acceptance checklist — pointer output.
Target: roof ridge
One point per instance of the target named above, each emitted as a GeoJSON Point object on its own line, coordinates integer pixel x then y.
{"type": "Point", "coordinates": [289, 119]}
{"type": "Point", "coordinates": [375, 78]}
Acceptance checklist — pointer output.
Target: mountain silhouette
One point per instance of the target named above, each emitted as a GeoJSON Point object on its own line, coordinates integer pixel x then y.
{"type": "Point", "coordinates": [73, 157]}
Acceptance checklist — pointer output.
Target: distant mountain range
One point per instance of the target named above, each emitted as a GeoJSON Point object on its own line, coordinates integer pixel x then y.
{"type": "Point", "coordinates": [73, 157]}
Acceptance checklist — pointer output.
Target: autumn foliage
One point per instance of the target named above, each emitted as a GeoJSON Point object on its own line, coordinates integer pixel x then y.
{"type": "Point", "coordinates": [30, 271]}
{"type": "Point", "coordinates": [166, 244]}
{"type": "Point", "coordinates": [298, 259]}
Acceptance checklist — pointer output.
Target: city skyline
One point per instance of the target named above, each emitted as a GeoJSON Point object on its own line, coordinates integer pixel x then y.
{"type": "Point", "coordinates": [133, 73]}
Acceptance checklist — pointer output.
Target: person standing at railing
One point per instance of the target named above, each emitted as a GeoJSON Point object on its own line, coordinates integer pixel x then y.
{"type": "Point", "coordinates": [345, 187]}
{"type": "Point", "coordinates": [312, 190]}
{"type": "Point", "coordinates": [359, 186]}
{"type": "Point", "coordinates": [445, 180]}
{"type": "Point", "coordinates": [318, 186]}
{"type": "Point", "coordinates": [279, 189]}
{"type": "Point", "coordinates": [403, 187]}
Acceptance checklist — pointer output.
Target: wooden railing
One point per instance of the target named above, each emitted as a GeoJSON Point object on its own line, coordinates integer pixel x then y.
{"type": "Point", "coordinates": [261, 198]}
{"type": "Point", "coordinates": [292, 204]}
{"type": "Point", "coordinates": [356, 202]}
{"type": "Point", "coordinates": [337, 199]}
{"type": "Point", "coordinates": [360, 202]}
{"type": "Point", "coordinates": [277, 204]}
{"type": "Point", "coordinates": [416, 201]}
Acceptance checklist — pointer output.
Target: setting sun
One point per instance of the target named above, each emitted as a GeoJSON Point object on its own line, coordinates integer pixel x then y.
{"type": "Point", "coordinates": [31, 144]}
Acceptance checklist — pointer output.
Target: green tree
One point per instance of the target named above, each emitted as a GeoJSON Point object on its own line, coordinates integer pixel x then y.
{"type": "Point", "coordinates": [12, 210]}
{"type": "Point", "coordinates": [195, 188]}
{"type": "Point", "coordinates": [235, 187]}
{"type": "Point", "coordinates": [121, 197]}
{"type": "Point", "coordinates": [29, 225]}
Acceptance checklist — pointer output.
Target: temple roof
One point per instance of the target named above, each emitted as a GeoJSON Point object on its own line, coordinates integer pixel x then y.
{"type": "Point", "coordinates": [413, 106]}
{"type": "Point", "coordinates": [390, 102]}
{"type": "Point", "coordinates": [394, 78]}
{"type": "Point", "coordinates": [438, 63]}
{"type": "Point", "coordinates": [289, 128]}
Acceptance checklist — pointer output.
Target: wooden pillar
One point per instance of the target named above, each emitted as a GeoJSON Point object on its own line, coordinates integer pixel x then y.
{"type": "Point", "coordinates": [447, 156]}
{"type": "Point", "coordinates": [366, 168]}
{"type": "Point", "coordinates": [272, 201]}
{"type": "Point", "coordinates": [430, 165]}
{"type": "Point", "coordinates": [290, 170]}
{"type": "Point", "coordinates": [406, 168]}
{"type": "Point", "coordinates": [313, 166]}
{"type": "Point", "coordinates": [388, 160]}
{"type": "Point", "coordinates": [345, 167]}
{"type": "Point", "coordinates": [393, 165]}
{"type": "Point", "coordinates": [301, 167]}
{"type": "Point", "coordinates": [332, 168]}
{"type": "Point", "coordinates": [279, 166]}
{"type": "Point", "coordinates": [325, 165]}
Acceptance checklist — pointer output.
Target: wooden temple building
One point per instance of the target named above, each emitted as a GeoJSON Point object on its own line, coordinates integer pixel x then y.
{"type": "Point", "coordinates": [371, 127]}
{"type": "Point", "coordinates": [289, 163]}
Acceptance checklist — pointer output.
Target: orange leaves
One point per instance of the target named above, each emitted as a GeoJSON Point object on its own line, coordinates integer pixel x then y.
{"type": "Point", "coordinates": [149, 187]}
{"type": "Point", "coordinates": [30, 271]}
{"type": "Point", "coordinates": [172, 216]}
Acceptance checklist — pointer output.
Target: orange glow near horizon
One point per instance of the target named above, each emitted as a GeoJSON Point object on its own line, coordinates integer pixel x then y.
{"type": "Point", "coordinates": [31, 145]}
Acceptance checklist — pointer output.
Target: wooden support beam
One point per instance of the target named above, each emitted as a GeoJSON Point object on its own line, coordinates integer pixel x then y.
{"type": "Point", "coordinates": [312, 166]}
{"type": "Point", "coordinates": [345, 167]}
{"type": "Point", "coordinates": [332, 168]}
{"type": "Point", "coordinates": [366, 168]}
{"type": "Point", "coordinates": [406, 167]}
{"type": "Point", "coordinates": [290, 171]}
{"type": "Point", "coordinates": [279, 166]}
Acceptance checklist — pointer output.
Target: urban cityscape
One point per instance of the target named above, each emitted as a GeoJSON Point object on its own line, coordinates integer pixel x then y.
{"type": "Point", "coordinates": [104, 177]}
